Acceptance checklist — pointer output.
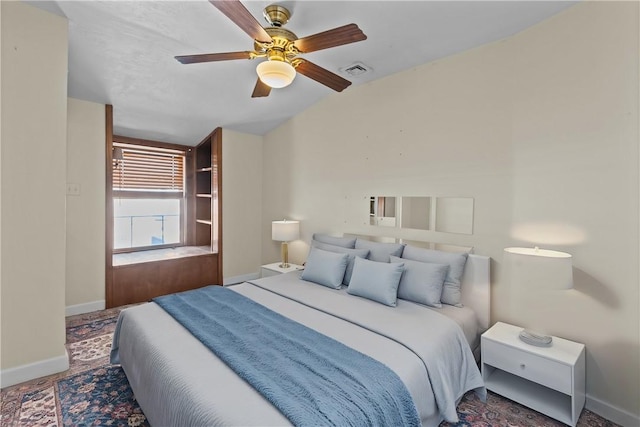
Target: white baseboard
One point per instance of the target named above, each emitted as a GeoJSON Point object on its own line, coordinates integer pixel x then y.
{"type": "Point", "coordinates": [612, 413]}
{"type": "Point", "coordinates": [34, 370]}
{"type": "Point", "coordinates": [239, 279]}
{"type": "Point", "coordinates": [87, 307]}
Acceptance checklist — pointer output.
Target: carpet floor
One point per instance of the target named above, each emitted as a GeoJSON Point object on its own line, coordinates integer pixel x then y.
{"type": "Point", "coordinates": [94, 392]}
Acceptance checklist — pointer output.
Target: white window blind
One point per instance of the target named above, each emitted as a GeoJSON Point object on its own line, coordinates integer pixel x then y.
{"type": "Point", "coordinates": [145, 168]}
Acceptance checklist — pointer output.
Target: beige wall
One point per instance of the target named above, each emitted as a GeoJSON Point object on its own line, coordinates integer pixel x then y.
{"type": "Point", "coordinates": [34, 123]}
{"type": "Point", "coordinates": [540, 129]}
{"type": "Point", "coordinates": [241, 204]}
{"type": "Point", "coordinates": [85, 267]}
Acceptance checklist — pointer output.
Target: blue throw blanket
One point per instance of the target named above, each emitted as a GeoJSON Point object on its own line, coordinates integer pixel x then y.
{"type": "Point", "coordinates": [311, 378]}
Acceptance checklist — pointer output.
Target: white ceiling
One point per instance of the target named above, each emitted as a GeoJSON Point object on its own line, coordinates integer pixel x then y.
{"type": "Point", "coordinates": [122, 53]}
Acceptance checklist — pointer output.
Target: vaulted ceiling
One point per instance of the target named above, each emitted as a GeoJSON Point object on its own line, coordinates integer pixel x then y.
{"type": "Point", "coordinates": [122, 53]}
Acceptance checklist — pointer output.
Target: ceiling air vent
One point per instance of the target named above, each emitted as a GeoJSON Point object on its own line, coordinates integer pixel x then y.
{"type": "Point", "coordinates": [356, 70]}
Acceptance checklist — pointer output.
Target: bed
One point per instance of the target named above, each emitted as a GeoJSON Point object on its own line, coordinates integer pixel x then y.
{"type": "Point", "coordinates": [178, 381]}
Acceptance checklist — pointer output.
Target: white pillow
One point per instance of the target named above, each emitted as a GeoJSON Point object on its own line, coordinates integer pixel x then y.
{"type": "Point", "coordinates": [352, 253]}
{"type": "Point", "coordinates": [345, 242]}
{"type": "Point", "coordinates": [379, 251]}
{"type": "Point", "coordinates": [377, 281]}
{"type": "Point", "coordinates": [325, 268]}
{"type": "Point", "coordinates": [451, 293]}
{"type": "Point", "coordinates": [422, 282]}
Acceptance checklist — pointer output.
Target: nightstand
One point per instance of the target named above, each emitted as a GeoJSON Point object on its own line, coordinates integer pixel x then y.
{"type": "Point", "coordinates": [275, 269]}
{"type": "Point", "coordinates": [550, 380]}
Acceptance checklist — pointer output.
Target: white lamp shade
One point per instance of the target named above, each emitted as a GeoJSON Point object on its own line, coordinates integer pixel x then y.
{"type": "Point", "coordinates": [285, 231]}
{"type": "Point", "coordinates": [276, 74]}
{"type": "Point", "coordinates": [534, 268]}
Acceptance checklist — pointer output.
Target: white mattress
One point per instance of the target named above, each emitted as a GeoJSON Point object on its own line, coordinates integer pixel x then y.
{"type": "Point", "coordinates": [466, 319]}
{"type": "Point", "coordinates": [178, 381]}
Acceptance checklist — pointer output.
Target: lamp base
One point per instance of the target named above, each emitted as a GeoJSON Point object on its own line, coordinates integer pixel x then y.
{"type": "Point", "coordinates": [285, 256]}
{"type": "Point", "coordinates": [535, 338]}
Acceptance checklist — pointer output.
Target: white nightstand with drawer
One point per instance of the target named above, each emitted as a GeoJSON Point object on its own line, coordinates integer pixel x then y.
{"type": "Point", "coordinates": [275, 269]}
{"type": "Point", "coordinates": [550, 380]}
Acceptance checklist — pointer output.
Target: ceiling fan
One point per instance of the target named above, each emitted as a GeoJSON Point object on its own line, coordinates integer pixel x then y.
{"type": "Point", "coordinates": [280, 47]}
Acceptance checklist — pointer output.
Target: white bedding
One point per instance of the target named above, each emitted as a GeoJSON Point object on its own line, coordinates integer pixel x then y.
{"type": "Point", "coordinates": [178, 381]}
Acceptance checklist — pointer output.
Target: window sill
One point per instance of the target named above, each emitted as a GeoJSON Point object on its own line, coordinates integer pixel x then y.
{"type": "Point", "coordinates": [151, 255]}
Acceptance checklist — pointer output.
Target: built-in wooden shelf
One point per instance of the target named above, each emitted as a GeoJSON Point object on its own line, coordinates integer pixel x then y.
{"type": "Point", "coordinates": [142, 276]}
{"type": "Point", "coordinates": [139, 276]}
{"type": "Point", "coordinates": [207, 157]}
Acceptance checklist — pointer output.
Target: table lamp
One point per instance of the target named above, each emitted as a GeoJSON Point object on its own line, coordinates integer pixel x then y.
{"type": "Point", "coordinates": [285, 231]}
{"type": "Point", "coordinates": [538, 270]}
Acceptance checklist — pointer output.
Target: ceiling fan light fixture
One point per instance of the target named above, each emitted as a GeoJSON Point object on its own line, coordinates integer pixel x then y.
{"type": "Point", "coordinates": [276, 74]}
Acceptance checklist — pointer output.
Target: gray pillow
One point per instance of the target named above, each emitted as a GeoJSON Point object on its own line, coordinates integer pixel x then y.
{"type": "Point", "coordinates": [379, 251]}
{"type": "Point", "coordinates": [377, 281]}
{"type": "Point", "coordinates": [422, 282]}
{"type": "Point", "coordinates": [345, 242]}
{"type": "Point", "coordinates": [352, 253]}
{"type": "Point", "coordinates": [325, 268]}
{"type": "Point", "coordinates": [451, 293]}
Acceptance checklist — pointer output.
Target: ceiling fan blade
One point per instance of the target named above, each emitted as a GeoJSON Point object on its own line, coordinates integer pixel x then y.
{"type": "Point", "coordinates": [239, 14]}
{"type": "Point", "coordinates": [211, 57]}
{"type": "Point", "coordinates": [338, 36]}
{"type": "Point", "coordinates": [261, 89]}
{"type": "Point", "coordinates": [322, 75]}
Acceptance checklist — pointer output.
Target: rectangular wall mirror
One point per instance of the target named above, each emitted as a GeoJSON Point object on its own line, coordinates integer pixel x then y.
{"type": "Point", "coordinates": [382, 211]}
{"type": "Point", "coordinates": [416, 213]}
{"type": "Point", "coordinates": [443, 214]}
{"type": "Point", "coordinates": [454, 215]}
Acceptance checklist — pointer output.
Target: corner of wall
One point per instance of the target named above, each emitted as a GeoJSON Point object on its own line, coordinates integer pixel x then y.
{"type": "Point", "coordinates": [241, 204]}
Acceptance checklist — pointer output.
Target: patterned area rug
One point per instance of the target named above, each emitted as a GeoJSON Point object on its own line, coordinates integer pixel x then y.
{"type": "Point", "coordinates": [94, 392]}
{"type": "Point", "coordinates": [91, 392]}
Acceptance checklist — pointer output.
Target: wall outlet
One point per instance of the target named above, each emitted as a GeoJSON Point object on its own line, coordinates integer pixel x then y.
{"type": "Point", "coordinates": [73, 189]}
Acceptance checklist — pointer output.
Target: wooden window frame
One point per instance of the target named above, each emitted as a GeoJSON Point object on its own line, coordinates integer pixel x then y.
{"type": "Point", "coordinates": [139, 282]}
{"type": "Point", "coordinates": [183, 196]}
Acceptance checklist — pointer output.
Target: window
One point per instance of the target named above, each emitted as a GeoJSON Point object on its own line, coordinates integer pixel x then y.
{"type": "Point", "coordinates": [148, 197]}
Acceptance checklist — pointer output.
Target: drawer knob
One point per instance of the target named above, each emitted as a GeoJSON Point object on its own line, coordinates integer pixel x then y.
{"type": "Point", "coordinates": [522, 366]}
